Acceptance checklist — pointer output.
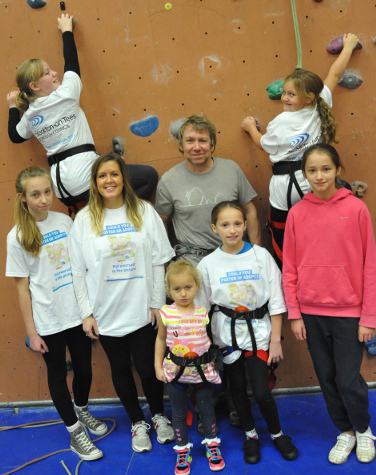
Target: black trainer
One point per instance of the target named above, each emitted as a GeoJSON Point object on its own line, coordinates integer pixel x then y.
{"type": "Point", "coordinates": [285, 447]}
{"type": "Point", "coordinates": [251, 448]}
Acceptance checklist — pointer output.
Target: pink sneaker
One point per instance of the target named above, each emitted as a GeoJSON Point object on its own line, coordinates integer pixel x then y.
{"type": "Point", "coordinates": [183, 461]}
{"type": "Point", "coordinates": [216, 462]}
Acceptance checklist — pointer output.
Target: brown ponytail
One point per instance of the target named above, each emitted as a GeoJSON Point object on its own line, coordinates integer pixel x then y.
{"type": "Point", "coordinates": [328, 122]}
{"type": "Point", "coordinates": [29, 71]}
{"type": "Point", "coordinates": [27, 231]}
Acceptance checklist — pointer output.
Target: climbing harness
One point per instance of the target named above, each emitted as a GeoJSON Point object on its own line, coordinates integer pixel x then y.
{"type": "Point", "coordinates": [289, 168]}
{"type": "Point", "coordinates": [183, 362]}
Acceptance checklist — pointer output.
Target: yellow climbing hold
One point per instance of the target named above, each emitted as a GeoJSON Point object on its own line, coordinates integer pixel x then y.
{"type": "Point", "coordinates": [168, 6]}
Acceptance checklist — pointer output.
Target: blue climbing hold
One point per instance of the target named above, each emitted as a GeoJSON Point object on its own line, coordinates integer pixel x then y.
{"type": "Point", "coordinates": [27, 342]}
{"type": "Point", "coordinates": [371, 346]}
{"type": "Point", "coordinates": [275, 89]}
{"type": "Point", "coordinates": [145, 127]}
{"type": "Point", "coordinates": [36, 3]}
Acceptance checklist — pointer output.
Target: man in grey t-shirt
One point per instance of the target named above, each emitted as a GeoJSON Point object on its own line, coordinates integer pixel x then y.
{"type": "Point", "coordinates": [189, 191]}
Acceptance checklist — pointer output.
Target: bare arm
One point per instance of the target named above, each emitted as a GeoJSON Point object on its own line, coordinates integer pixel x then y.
{"type": "Point", "coordinates": [160, 348]}
{"type": "Point", "coordinates": [365, 333]}
{"type": "Point", "coordinates": [249, 125]}
{"type": "Point", "coordinates": [253, 224]}
{"type": "Point", "coordinates": [340, 64]}
{"type": "Point", "coordinates": [24, 298]}
{"type": "Point", "coordinates": [298, 328]}
{"type": "Point", "coordinates": [275, 348]}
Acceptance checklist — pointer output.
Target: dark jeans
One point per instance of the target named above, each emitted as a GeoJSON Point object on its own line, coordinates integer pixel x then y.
{"type": "Point", "coordinates": [258, 374]}
{"type": "Point", "coordinates": [337, 355]}
{"type": "Point", "coordinates": [80, 350]}
{"type": "Point", "coordinates": [140, 345]}
{"type": "Point", "coordinates": [179, 405]}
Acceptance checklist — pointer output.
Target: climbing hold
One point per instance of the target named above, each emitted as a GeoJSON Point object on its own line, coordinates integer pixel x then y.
{"type": "Point", "coordinates": [36, 3]}
{"type": "Point", "coordinates": [371, 346]}
{"type": "Point", "coordinates": [275, 89]}
{"type": "Point", "coordinates": [62, 6]}
{"type": "Point", "coordinates": [69, 365]}
{"type": "Point", "coordinates": [336, 45]}
{"type": "Point", "coordinates": [168, 6]}
{"type": "Point", "coordinates": [359, 188]}
{"type": "Point", "coordinates": [145, 127]}
{"type": "Point", "coordinates": [350, 80]}
{"type": "Point", "coordinates": [317, 1]}
{"type": "Point", "coordinates": [27, 342]}
{"type": "Point", "coordinates": [118, 146]}
{"type": "Point", "coordinates": [175, 127]}
{"type": "Point", "coordinates": [257, 125]}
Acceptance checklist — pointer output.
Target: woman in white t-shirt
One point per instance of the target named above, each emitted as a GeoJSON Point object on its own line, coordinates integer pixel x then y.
{"type": "Point", "coordinates": [51, 112]}
{"type": "Point", "coordinates": [306, 120]}
{"type": "Point", "coordinates": [37, 257]}
{"type": "Point", "coordinates": [119, 247]}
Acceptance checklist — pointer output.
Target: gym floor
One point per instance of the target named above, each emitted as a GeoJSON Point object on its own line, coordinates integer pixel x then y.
{"type": "Point", "coordinates": [303, 417]}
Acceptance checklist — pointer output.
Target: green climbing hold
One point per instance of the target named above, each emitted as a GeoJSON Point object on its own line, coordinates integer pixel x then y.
{"type": "Point", "coordinates": [275, 89]}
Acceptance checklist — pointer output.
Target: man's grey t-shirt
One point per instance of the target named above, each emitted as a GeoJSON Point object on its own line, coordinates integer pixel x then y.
{"type": "Point", "coordinates": [190, 198]}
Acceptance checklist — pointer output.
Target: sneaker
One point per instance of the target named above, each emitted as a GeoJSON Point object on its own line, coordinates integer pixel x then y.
{"type": "Point", "coordinates": [251, 449]}
{"type": "Point", "coordinates": [216, 462]}
{"type": "Point", "coordinates": [341, 451]}
{"type": "Point", "coordinates": [365, 447]}
{"type": "Point", "coordinates": [285, 447]}
{"type": "Point", "coordinates": [183, 460]}
{"type": "Point", "coordinates": [81, 445]}
{"type": "Point", "coordinates": [140, 437]}
{"type": "Point", "coordinates": [165, 431]}
{"type": "Point", "coordinates": [95, 426]}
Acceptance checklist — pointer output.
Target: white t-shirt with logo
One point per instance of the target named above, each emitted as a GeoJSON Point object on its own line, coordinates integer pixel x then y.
{"type": "Point", "coordinates": [118, 267]}
{"type": "Point", "coordinates": [53, 300]}
{"type": "Point", "coordinates": [286, 138]}
{"type": "Point", "coordinates": [250, 279]}
{"type": "Point", "coordinates": [59, 124]}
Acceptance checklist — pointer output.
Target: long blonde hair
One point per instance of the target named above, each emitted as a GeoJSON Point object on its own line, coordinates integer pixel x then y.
{"type": "Point", "coordinates": [306, 83]}
{"type": "Point", "coordinates": [29, 71]}
{"type": "Point", "coordinates": [135, 207]}
{"type": "Point", "coordinates": [27, 231]}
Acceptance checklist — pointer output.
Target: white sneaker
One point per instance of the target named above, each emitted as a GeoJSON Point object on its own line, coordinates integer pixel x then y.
{"type": "Point", "coordinates": [341, 451]}
{"type": "Point", "coordinates": [365, 447]}
{"type": "Point", "coordinates": [140, 437]}
{"type": "Point", "coordinates": [164, 429]}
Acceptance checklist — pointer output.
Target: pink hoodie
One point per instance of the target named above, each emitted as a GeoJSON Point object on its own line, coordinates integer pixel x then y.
{"type": "Point", "coordinates": [329, 259]}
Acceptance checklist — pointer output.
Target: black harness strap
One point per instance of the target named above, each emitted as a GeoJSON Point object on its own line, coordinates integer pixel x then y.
{"type": "Point", "coordinates": [206, 358]}
{"type": "Point", "coordinates": [289, 168]}
{"type": "Point", "coordinates": [257, 314]}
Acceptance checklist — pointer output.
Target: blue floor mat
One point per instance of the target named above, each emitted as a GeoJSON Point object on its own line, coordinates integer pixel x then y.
{"type": "Point", "coordinates": [303, 417]}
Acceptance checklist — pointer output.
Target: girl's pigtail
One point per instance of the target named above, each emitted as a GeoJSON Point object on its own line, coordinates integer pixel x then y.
{"type": "Point", "coordinates": [22, 101]}
{"type": "Point", "coordinates": [328, 122]}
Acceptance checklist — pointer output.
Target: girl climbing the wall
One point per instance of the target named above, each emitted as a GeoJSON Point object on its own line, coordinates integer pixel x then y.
{"type": "Point", "coordinates": [329, 280]}
{"type": "Point", "coordinates": [244, 283]}
{"type": "Point", "coordinates": [38, 259]}
{"type": "Point", "coordinates": [119, 246]}
{"type": "Point", "coordinates": [52, 113]}
{"type": "Point", "coordinates": [182, 332]}
{"type": "Point", "coordinates": [306, 119]}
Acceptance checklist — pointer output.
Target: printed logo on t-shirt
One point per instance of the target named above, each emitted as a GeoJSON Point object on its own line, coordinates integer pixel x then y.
{"type": "Point", "coordinates": [36, 121]}
{"type": "Point", "coordinates": [295, 140]}
{"type": "Point", "coordinates": [242, 294]}
{"type": "Point", "coordinates": [196, 197]}
{"type": "Point", "coordinates": [122, 247]}
{"type": "Point", "coordinates": [59, 258]}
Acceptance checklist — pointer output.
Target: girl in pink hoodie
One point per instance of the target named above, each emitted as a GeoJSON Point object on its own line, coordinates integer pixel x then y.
{"type": "Point", "coordinates": [329, 279]}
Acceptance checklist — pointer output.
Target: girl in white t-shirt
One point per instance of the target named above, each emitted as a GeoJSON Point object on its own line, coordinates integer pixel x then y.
{"type": "Point", "coordinates": [306, 120]}
{"type": "Point", "coordinates": [183, 333]}
{"type": "Point", "coordinates": [51, 112]}
{"type": "Point", "coordinates": [241, 277]}
{"type": "Point", "coordinates": [37, 257]}
{"type": "Point", "coordinates": [119, 246]}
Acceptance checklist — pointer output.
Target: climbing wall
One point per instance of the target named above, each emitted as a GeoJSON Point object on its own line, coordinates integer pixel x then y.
{"type": "Point", "coordinates": [146, 59]}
